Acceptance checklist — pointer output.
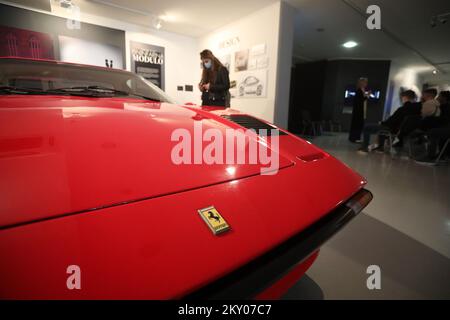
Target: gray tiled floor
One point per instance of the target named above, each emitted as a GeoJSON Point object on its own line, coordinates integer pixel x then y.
{"type": "Point", "coordinates": [405, 231]}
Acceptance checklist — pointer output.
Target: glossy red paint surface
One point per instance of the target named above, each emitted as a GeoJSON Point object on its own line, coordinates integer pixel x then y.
{"type": "Point", "coordinates": [74, 154]}
{"type": "Point", "coordinates": [60, 156]}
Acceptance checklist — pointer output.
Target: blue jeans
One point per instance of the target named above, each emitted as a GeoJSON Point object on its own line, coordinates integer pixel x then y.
{"type": "Point", "coordinates": [371, 129]}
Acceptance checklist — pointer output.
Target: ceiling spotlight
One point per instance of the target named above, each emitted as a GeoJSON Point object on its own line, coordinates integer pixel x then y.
{"type": "Point", "coordinates": [435, 72]}
{"type": "Point", "coordinates": [66, 4]}
{"type": "Point", "coordinates": [157, 23]}
{"type": "Point", "coordinates": [350, 44]}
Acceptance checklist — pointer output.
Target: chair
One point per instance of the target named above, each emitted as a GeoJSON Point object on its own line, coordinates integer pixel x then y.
{"type": "Point", "coordinates": [332, 124]}
{"type": "Point", "coordinates": [307, 122]}
{"type": "Point", "coordinates": [391, 136]}
{"type": "Point", "coordinates": [446, 144]}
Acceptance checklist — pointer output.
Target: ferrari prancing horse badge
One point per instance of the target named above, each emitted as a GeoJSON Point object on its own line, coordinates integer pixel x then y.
{"type": "Point", "coordinates": [214, 220]}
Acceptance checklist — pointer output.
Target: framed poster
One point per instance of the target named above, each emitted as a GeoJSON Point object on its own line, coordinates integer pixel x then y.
{"type": "Point", "coordinates": [241, 60]}
{"type": "Point", "coordinates": [251, 84]}
{"type": "Point", "coordinates": [36, 35]}
{"type": "Point", "coordinates": [149, 62]}
{"type": "Point", "coordinates": [15, 42]}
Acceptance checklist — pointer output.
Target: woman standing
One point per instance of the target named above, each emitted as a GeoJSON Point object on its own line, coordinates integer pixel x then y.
{"type": "Point", "coordinates": [215, 81]}
{"type": "Point", "coordinates": [359, 111]}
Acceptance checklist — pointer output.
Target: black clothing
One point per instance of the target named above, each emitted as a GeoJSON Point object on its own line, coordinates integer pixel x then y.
{"type": "Point", "coordinates": [413, 123]}
{"type": "Point", "coordinates": [425, 124]}
{"type": "Point", "coordinates": [395, 121]}
{"type": "Point", "coordinates": [445, 113]}
{"type": "Point", "coordinates": [410, 124]}
{"type": "Point", "coordinates": [218, 90]}
{"type": "Point", "coordinates": [357, 116]}
{"type": "Point", "coordinates": [432, 122]}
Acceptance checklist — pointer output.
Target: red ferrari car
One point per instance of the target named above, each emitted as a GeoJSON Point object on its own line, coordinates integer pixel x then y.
{"type": "Point", "coordinates": [93, 206]}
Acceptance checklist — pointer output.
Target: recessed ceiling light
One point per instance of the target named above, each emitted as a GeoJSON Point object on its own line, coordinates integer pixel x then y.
{"type": "Point", "coordinates": [157, 23]}
{"type": "Point", "coordinates": [350, 44]}
{"type": "Point", "coordinates": [435, 72]}
{"type": "Point", "coordinates": [66, 4]}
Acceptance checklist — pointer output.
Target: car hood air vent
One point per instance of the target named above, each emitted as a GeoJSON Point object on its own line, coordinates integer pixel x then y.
{"type": "Point", "coordinates": [253, 123]}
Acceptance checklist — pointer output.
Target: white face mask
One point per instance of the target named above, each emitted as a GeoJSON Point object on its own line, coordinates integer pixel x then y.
{"type": "Point", "coordinates": [207, 64]}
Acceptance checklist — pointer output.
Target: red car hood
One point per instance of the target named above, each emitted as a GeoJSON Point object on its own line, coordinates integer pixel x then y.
{"type": "Point", "coordinates": [60, 155]}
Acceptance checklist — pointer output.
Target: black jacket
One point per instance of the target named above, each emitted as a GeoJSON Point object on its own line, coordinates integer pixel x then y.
{"type": "Point", "coordinates": [357, 124]}
{"type": "Point", "coordinates": [395, 121]}
{"type": "Point", "coordinates": [445, 112]}
{"type": "Point", "coordinates": [218, 90]}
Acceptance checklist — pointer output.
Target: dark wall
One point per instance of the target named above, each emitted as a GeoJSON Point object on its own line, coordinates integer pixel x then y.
{"type": "Point", "coordinates": [325, 83]}
{"type": "Point", "coordinates": [25, 19]}
{"type": "Point", "coordinates": [307, 84]}
{"type": "Point", "coordinates": [342, 73]}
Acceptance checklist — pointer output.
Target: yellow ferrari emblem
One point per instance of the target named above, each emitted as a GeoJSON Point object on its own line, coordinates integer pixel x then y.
{"type": "Point", "coordinates": [214, 220]}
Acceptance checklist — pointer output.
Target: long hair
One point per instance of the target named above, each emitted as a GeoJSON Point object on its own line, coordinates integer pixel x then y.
{"type": "Point", "coordinates": [209, 75]}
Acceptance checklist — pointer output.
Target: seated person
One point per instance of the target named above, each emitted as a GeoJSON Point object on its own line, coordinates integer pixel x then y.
{"type": "Point", "coordinates": [441, 114]}
{"type": "Point", "coordinates": [444, 100]}
{"type": "Point", "coordinates": [430, 106]}
{"type": "Point", "coordinates": [393, 123]}
{"type": "Point", "coordinates": [430, 110]}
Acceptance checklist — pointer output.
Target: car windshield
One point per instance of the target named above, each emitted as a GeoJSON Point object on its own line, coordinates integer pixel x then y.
{"type": "Point", "coordinates": [41, 77]}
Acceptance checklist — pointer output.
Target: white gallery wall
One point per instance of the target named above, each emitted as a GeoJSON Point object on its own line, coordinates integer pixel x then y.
{"type": "Point", "coordinates": [182, 56]}
{"type": "Point", "coordinates": [93, 53]}
{"type": "Point", "coordinates": [284, 64]}
{"type": "Point", "coordinates": [401, 78]}
{"type": "Point", "coordinates": [260, 28]}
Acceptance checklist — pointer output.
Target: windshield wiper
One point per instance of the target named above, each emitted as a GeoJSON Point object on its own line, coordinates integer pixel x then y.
{"type": "Point", "coordinates": [18, 90]}
{"type": "Point", "coordinates": [98, 91]}
{"type": "Point", "coordinates": [88, 90]}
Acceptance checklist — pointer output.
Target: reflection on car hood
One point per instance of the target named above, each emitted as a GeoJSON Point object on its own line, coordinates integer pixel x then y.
{"type": "Point", "coordinates": [60, 155]}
